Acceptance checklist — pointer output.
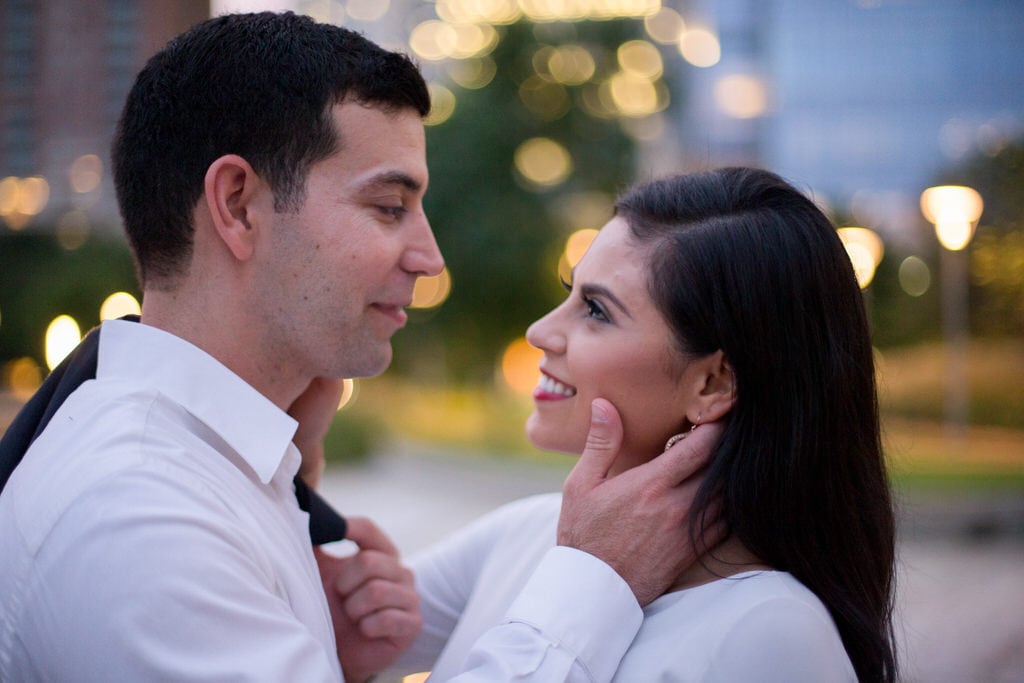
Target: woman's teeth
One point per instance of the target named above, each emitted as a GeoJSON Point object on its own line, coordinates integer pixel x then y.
{"type": "Point", "coordinates": [553, 386]}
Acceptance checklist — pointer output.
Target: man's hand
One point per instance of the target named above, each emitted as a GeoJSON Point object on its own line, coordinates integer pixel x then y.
{"type": "Point", "coordinates": [373, 601]}
{"type": "Point", "coordinates": [637, 521]}
{"type": "Point", "coordinates": [315, 409]}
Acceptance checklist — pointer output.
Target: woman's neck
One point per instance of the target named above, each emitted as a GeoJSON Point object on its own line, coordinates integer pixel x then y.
{"type": "Point", "coordinates": [726, 559]}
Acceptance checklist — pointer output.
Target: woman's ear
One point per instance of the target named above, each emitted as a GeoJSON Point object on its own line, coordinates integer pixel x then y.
{"type": "Point", "coordinates": [716, 393]}
{"type": "Point", "coordinates": [232, 191]}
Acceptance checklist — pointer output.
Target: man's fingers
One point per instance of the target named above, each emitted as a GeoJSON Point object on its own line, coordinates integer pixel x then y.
{"type": "Point", "coordinates": [687, 456]}
{"type": "Point", "coordinates": [603, 442]}
{"type": "Point", "coordinates": [368, 536]}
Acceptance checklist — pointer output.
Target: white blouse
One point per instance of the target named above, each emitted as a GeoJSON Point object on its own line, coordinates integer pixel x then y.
{"type": "Point", "coordinates": [760, 626]}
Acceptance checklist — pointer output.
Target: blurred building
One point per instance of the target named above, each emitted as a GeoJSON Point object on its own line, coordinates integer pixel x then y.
{"type": "Point", "coordinates": [863, 101]}
{"type": "Point", "coordinates": [65, 69]}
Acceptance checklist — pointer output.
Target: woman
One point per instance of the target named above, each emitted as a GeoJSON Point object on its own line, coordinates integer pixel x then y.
{"type": "Point", "coordinates": [723, 295]}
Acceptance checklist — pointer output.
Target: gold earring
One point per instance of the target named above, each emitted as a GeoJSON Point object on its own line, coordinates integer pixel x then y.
{"type": "Point", "coordinates": [673, 440]}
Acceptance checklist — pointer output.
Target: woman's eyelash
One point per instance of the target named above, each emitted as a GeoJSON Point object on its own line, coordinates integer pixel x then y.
{"type": "Point", "coordinates": [594, 309]}
{"type": "Point", "coordinates": [567, 286]}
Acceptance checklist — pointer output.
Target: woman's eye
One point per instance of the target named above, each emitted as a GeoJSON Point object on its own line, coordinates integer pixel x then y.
{"type": "Point", "coordinates": [595, 310]}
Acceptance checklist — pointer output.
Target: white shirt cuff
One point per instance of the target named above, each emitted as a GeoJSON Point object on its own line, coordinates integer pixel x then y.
{"type": "Point", "coordinates": [580, 602]}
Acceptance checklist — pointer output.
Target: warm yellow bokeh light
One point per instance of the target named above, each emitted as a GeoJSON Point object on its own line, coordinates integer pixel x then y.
{"type": "Point", "coordinates": [741, 96]}
{"type": "Point", "coordinates": [520, 366]}
{"type": "Point", "coordinates": [21, 199]}
{"type": "Point", "coordinates": [433, 40]}
{"type": "Point", "coordinates": [62, 335]}
{"type": "Point", "coordinates": [577, 244]}
{"type": "Point", "coordinates": [665, 26]}
{"type": "Point", "coordinates": [432, 291]}
{"type": "Point", "coordinates": [543, 162]}
{"type": "Point", "coordinates": [545, 99]}
{"type": "Point", "coordinates": [86, 173]}
{"type": "Point", "coordinates": [442, 104]}
{"type": "Point", "coordinates": [22, 376]}
{"type": "Point", "coordinates": [632, 95]}
{"type": "Point", "coordinates": [367, 10]}
{"type": "Point", "coordinates": [479, 11]}
{"type": "Point", "coordinates": [119, 304]}
{"type": "Point", "coordinates": [348, 392]}
{"type": "Point", "coordinates": [570, 64]}
{"type": "Point", "coordinates": [72, 229]}
{"type": "Point", "coordinates": [865, 250]}
{"type": "Point", "coordinates": [416, 678]}
{"type": "Point", "coordinates": [954, 210]}
{"type": "Point", "coordinates": [474, 73]}
{"type": "Point", "coordinates": [915, 276]}
{"type": "Point", "coordinates": [640, 58]}
{"type": "Point", "coordinates": [700, 47]}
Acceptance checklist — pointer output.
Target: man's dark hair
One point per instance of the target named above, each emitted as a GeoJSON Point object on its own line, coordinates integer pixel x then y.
{"type": "Point", "coordinates": [257, 85]}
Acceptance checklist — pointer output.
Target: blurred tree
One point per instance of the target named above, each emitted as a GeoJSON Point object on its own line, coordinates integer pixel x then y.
{"type": "Point", "coordinates": [40, 280]}
{"type": "Point", "coordinates": [997, 251]}
{"type": "Point", "coordinates": [502, 237]}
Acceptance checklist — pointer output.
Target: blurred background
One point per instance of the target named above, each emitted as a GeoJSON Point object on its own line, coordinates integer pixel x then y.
{"type": "Point", "coordinates": [903, 119]}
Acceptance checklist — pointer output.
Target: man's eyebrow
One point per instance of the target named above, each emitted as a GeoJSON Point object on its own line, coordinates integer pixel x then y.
{"type": "Point", "coordinates": [392, 178]}
{"type": "Point", "coordinates": [590, 291]}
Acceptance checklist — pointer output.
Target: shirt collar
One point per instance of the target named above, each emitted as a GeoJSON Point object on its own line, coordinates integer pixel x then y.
{"type": "Point", "coordinates": [247, 420]}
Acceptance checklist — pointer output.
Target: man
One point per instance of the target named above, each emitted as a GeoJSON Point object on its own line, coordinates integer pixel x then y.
{"type": "Point", "coordinates": [270, 173]}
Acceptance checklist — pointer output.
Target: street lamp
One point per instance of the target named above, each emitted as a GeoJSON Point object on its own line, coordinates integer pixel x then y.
{"type": "Point", "coordinates": [954, 211]}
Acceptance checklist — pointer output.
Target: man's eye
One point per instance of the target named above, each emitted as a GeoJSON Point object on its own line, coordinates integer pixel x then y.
{"type": "Point", "coordinates": [393, 211]}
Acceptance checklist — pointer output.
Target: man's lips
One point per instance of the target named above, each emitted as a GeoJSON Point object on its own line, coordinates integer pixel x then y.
{"type": "Point", "coordinates": [394, 311]}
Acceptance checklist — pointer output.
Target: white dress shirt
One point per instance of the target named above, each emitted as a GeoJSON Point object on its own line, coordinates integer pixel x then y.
{"type": "Point", "coordinates": [762, 626]}
{"type": "Point", "coordinates": [152, 532]}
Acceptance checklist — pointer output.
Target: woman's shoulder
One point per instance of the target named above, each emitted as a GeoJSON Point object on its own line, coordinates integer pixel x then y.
{"type": "Point", "coordinates": [752, 622]}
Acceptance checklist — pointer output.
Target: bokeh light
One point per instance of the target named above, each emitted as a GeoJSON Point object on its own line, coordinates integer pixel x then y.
{"type": "Point", "coordinates": [665, 26]}
{"type": "Point", "coordinates": [543, 162]}
{"type": "Point", "coordinates": [473, 73]}
{"type": "Point", "coordinates": [21, 199]}
{"type": "Point", "coordinates": [914, 275]}
{"type": "Point", "coordinates": [349, 389]}
{"type": "Point", "coordinates": [954, 210]}
{"type": "Point", "coordinates": [367, 10]}
{"type": "Point", "coordinates": [865, 249]}
{"type": "Point", "coordinates": [442, 104]}
{"type": "Point", "coordinates": [575, 247]}
{"type": "Point", "coordinates": [119, 304]}
{"type": "Point", "coordinates": [741, 96]}
{"type": "Point", "coordinates": [640, 58]}
{"type": "Point", "coordinates": [700, 47]}
{"type": "Point", "coordinates": [432, 291]}
{"type": "Point", "coordinates": [72, 229]}
{"type": "Point", "coordinates": [22, 376]}
{"type": "Point", "coordinates": [570, 64]}
{"type": "Point", "coordinates": [520, 366]}
{"type": "Point", "coordinates": [85, 173]}
{"type": "Point", "coordinates": [543, 98]}
{"type": "Point", "coordinates": [62, 335]}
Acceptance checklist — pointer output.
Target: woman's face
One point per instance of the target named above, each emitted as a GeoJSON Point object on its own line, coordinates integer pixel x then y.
{"type": "Point", "coordinates": [608, 340]}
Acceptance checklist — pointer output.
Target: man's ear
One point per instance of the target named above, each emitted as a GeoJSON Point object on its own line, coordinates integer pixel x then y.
{"type": "Point", "coordinates": [716, 394]}
{"type": "Point", "coordinates": [232, 192]}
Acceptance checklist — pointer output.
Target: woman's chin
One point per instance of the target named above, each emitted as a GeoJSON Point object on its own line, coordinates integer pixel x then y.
{"type": "Point", "coordinates": [546, 441]}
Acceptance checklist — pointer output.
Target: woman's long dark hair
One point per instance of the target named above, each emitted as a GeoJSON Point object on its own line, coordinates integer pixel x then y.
{"type": "Point", "coordinates": [743, 262]}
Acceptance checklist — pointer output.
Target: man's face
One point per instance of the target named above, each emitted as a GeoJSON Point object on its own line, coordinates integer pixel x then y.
{"type": "Point", "coordinates": [340, 270]}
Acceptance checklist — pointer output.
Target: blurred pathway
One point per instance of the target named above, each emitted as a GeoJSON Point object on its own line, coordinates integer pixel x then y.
{"type": "Point", "coordinates": [960, 611]}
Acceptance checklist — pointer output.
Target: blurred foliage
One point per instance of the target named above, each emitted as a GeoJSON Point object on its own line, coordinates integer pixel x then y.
{"type": "Point", "coordinates": [997, 251]}
{"type": "Point", "coordinates": [40, 280]}
{"type": "Point", "coordinates": [502, 241]}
